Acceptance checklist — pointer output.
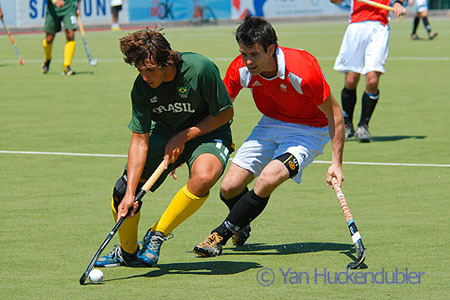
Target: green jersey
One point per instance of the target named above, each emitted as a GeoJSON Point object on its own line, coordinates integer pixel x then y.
{"type": "Point", "coordinates": [196, 92]}
{"type": "Point", "coordinates": [69, 8]}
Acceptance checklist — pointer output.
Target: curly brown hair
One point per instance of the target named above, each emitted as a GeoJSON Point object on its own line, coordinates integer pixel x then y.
{"type": "Point", "coordinates": [148, 45]}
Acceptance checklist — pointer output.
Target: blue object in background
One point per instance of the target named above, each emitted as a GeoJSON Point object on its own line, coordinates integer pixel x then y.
{"type": "Point", "coordinates": [174, 10]}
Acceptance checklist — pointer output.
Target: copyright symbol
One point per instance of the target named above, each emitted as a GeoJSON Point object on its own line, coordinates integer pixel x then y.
{"type": "Point", "coordinates": [265, 276]}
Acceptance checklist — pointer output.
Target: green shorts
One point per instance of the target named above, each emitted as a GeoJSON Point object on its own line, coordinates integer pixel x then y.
{"type": "Point", "coordinates": [216, 143]}
{"type": "Point", "coordinates": [53, 22]}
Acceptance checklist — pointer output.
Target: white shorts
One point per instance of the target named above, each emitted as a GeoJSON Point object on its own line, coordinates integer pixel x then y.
{"type": "Point", "coordinates": [420, 5]}
{"type": "Point", "coordinates": [364, 48]}
{"type": "Point", "coordinates": [271, 138]}
{"type": "Point", "coordinates": [116, 2]}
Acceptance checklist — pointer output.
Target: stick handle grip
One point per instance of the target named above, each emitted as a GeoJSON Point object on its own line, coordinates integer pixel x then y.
{"type": "Point", "coordinates": [341, 198]}
{"type": "Point", "coordinates": [148, 184]}
{"type": "Point", "coordinates": [80, 24]}
{"type": "Point", "coordinates": [156, 174]}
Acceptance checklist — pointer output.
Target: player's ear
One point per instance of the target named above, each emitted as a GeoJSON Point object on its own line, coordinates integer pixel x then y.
{"type": "Point", "coordinates": [271, 49]}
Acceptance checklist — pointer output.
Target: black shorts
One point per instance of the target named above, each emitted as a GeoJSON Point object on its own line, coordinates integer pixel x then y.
{"type": "Point", "coordinates": [116, 8]}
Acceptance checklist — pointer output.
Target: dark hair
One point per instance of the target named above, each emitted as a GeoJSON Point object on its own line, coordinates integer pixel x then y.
{"type": "Point", "coordinates": [256, 30]}
{"type": "Point", "coordinates": [148, 44]}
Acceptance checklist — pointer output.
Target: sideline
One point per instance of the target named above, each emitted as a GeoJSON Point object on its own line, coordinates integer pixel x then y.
{"type": "Point", "coordinates": [316, 161]}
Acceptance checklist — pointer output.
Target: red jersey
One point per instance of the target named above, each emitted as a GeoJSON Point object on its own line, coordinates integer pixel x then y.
{"type": "Point", "coordinates": [292, 95]}
{"type": "Point", "coordinates": [364, 12]}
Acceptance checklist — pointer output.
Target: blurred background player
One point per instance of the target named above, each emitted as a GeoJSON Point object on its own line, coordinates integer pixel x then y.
{"type": "Point", "coordinates": [364, 50]}
{"type": "Point", "coordinates": [60, 11]}
{"type": "Point", "coordinates": [181, 112]}
{"type": "Point", "coordinates": [116, 7]}
{"type": "Point", "coordinates": [421, 12]}
{"type": "Point", "coordinates": [299, 116]}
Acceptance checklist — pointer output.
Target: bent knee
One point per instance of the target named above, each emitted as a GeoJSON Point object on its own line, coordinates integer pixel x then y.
{"type": "Point", "coordinates": [230, 189]}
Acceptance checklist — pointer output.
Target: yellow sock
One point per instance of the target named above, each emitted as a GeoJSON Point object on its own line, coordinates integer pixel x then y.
{"type": "Point", "coordinates": [182, 206]}
{"type": "Point", "coordinates": [154, 226]}
{"type": "Point", "coordinates": [69, 49]}
{"type": "Point", "coordinates": [47, 50]}
{"type": "Point", "coordinates": [128, 232]}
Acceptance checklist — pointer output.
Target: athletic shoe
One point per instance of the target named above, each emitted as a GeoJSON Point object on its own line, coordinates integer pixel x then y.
{"type": "Point", "coordinates": [432, 35]}
{"type": "Point", "coordinates": [415, 37]}
{"type": "Point", "coordinates": [151, 246]}
{"type": "Point", "coordinates": [68, 71]}
{"type": "Point", "coordinates": [349, 131]}
{"type": "Point", "coordinates": [45, 66]}
{"type": "Point", "coordinates": [240, 237]}
{"type": "Point", "coordinates": [210, 247]}
{"type": "Point", "coordinates": [115, 27]}
{"type": "Point", "coordinates": [117, 258]}
{"type": "Point", "coordinates": [362, 134]}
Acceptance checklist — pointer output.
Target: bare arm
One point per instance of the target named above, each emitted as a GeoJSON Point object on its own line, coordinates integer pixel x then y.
{"type": "Point", "coordinates": [137, 155]}
{"type": "Point", "coordinates": [336, 1]}
{"type": "Point", "coordinates": [175, 146]}
{"type": "Point", "coordinates": [79, 8]}
{"type": "Point", "coordinates": [336, 127]}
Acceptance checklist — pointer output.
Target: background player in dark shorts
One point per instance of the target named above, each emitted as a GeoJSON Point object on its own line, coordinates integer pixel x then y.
{"type": "Point", "coordinates": [60, 11]}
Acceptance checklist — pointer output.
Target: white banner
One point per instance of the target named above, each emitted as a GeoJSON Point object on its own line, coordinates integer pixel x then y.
{"type": "Point", "coordinates": [31, 13]}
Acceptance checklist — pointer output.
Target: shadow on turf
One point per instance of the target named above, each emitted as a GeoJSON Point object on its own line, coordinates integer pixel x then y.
{"type": "Point", "coordinates": [210, 267]}
{"type": "Point", "coordinates": [295, 248]}
{"type": "Point", "coordinates": [392, 138]}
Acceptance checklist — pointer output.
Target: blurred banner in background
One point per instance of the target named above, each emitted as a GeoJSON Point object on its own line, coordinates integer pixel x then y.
{"type": "Point", "coordinates": [285, 8]}
{"type": "Point", "coordinates": [31, 13]}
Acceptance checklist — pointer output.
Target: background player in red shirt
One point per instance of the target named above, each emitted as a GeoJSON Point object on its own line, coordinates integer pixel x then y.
{"type": "Point", "coordinates": [364, 51]}
{"type": "Point", "coordinates": [299, 116]}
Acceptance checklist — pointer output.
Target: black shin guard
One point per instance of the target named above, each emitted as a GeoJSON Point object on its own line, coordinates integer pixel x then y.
{"type": "Point", "coordinates": [426, 24]}
{"type": "Point", "coordinates": [348, 99]}
{"type": "Point", "coordinates": [415, 24]}
{"type": "Point", "coordinates": [244, 211]}
{"type": "Point", "coordinates": [368, 106]}
{"type": "Point", "coordinates": [232, 202]}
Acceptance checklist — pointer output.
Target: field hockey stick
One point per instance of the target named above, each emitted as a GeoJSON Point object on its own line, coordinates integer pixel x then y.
{"type": "Point", "coordinates": [144, 189]}
{"type": "Point", "coordinates": [92, 61]}
{"type": "Point", "coordinates": [382, 6]}
{"type": "Point", "coordinates": [376, 4]}
{"type": "Point", "coordinates": [21, 60]}
{"type": "Point", "coordinates": [356, 237]}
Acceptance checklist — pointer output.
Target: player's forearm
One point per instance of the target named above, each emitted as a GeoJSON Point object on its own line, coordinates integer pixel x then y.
{"type": "Point", "coordinates": [208, 124]}
{"type": "Point", "coordinates": [336, 1]}
{"type": "Point", "coordinates": [337, 140]}
{"type": "Point", "coordinates": [137, 156]}
{"type": "Point", "coordinates": [338, 133]}
{"type": "Point", "coordinates": [331, 109]}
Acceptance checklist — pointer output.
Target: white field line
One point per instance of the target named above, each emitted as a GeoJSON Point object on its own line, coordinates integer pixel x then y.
{"type": "Point", "coordinates": [327, 58]}
{"type": "Point", "coordinates": [385, 164]}
{"type": "Point", "coordinates": [61, 153]}
{"type": "Point", "coordinates": [317, 161]}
